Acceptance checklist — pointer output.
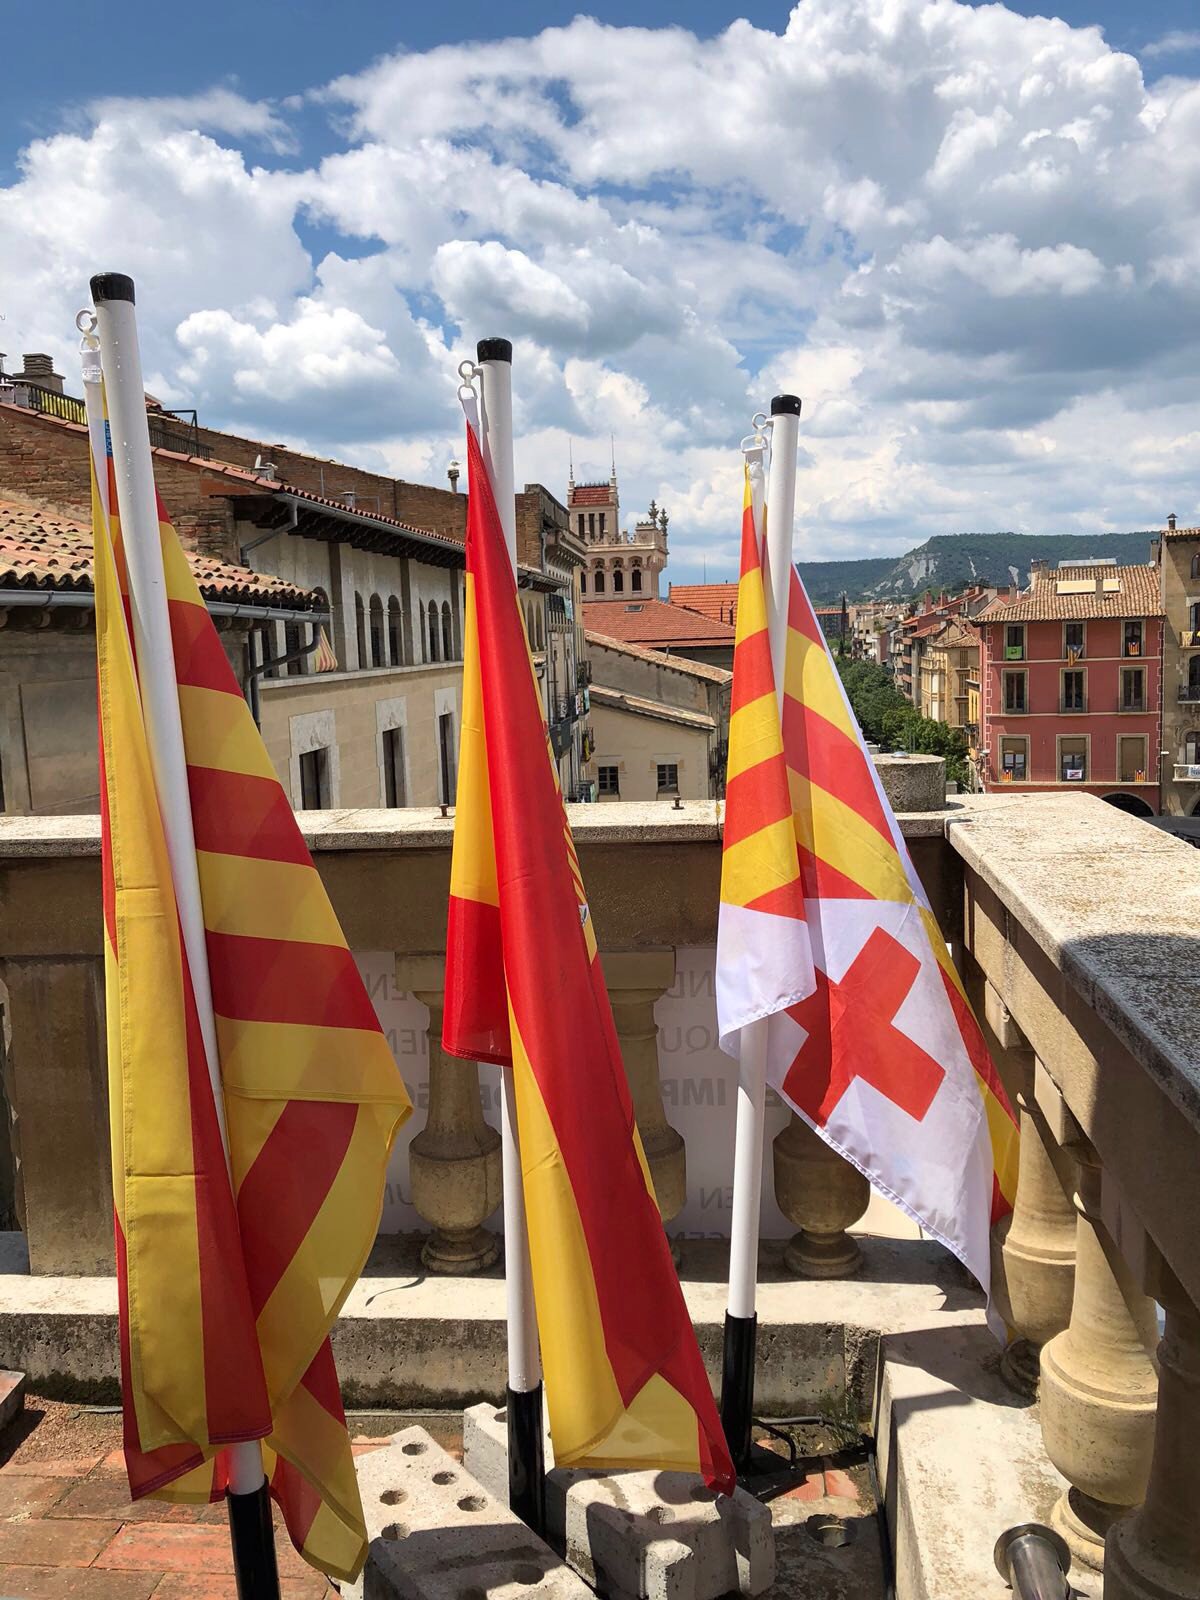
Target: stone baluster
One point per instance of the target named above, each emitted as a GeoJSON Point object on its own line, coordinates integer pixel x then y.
{"type": "Point", "coordinates": [637, 980]}
{"type": "Point", "coordinates": [454, 1162]}
{"type": "Point", "coordinates": [1033, 1250]}
{"type": "Point", "coordinates": [1098, 1382]}
{"type": "Point", "coordinates": [822, 1195]}
{"type": "Point", "coordinates": [1154, 1554]}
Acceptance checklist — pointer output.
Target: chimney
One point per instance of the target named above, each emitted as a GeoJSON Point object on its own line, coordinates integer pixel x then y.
{"type": "Point", "coordinates": [39, 369]}
{"type": "Point", "coordinates": [1171, 522]}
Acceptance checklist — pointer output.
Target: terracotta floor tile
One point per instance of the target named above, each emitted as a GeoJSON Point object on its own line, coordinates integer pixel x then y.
{"type": "Point", "coordinates": [105, 1495]}
{"type": "Point", "coordinates": [74, 1583]}
{"type": "Point", "coordinates": [168, 1547]}
{"type": "Point", "coordinates": [840, 1483]}
{"type": "Point", "coordinates": [54, 1542]}
{"type": "Point", "coordinates": [68, 1467]}
{"type": "Point", "coordinates": [29, 1496]}
{"type": "Point", "coordinates": [214, 1586]}
{"type": "Point", "coordinates": [812, 1488]}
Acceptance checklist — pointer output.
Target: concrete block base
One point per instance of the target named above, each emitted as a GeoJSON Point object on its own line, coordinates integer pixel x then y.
{"type": "Point", "coordinates": [638, 1535]}
{"type": "Point", "coordinates": [436, 1534]}
{"type": "Point", "coordinates": [12, 1397]}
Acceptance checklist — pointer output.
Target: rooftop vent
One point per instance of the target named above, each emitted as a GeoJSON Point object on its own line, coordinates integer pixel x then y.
{"type": "Point", "coordinates": [39, 369]}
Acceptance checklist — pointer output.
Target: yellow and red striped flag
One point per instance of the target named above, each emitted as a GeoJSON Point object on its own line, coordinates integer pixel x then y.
{"type": "Point", "coordinates": [877, 1048]}
{"type": "Point", "coordinates": [625, 1383]}
{"type": "Point", "coordinates": [227, 1295]}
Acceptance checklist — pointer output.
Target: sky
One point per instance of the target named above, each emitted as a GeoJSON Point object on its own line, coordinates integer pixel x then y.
{"type": "Point", "coordinates": [967, 235]}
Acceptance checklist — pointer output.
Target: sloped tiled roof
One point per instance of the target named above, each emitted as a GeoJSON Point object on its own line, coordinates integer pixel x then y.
{"type": "Point", "coordinates": [618, 700]}
{"type": "Point", "coordinates": [590, 494]}
{"type": "Point", "coordinates": [1137, 597]}
{"type": "Point", "coordinates": [693, 669]}
{"type": "Point", "coordinates": [717, 600]}
{"type": "Point", "coordinates": [41, 549]}
{"type": "Point", "coordinates": [655, 622]}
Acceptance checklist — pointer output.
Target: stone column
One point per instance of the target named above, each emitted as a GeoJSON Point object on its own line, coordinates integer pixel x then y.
{"type": "Point", "coordinates": [1155, 1553]}
{"type": "Point", "coordinates": [823, 1195]}
{"type": "Point", "coordinates": [1033, 1250]}
{"type": "Point", "coordinates": [1098, 1383]}
{"type": "Point", "coordinates": [58, 1082]}
{"type": "Point", "coordinates": [637, 980]}
{"type": "Point", "coordinates": [454, 1162]}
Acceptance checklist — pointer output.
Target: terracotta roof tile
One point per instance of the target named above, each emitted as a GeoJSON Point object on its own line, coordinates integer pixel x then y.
{"type": "Point", "coordinates": [1137, 597]}
{"type": "Point", "coordinates": [41, 549]}
{"type": "Point", "coordinates": [718, 600]}
{"type": "Point", "coordinates": [590, 494]}
{"type": "Point", "coordinates": [693, 669]}
{"type": "Point", "coordinates": [655, 622]}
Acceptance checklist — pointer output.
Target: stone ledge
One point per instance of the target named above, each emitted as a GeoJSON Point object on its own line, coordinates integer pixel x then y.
{"type": "Point", "coordinates": [408, 1340]}
{"type": "Point", "coordinates": [424, 827]}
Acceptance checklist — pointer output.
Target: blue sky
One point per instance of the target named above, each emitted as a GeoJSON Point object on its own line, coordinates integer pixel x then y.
{"type": "Point", "coordinates": [976, 261]}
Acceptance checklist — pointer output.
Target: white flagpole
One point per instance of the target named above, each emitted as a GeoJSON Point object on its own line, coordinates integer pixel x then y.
{"type": "Point", "coordinates": [737, 1376]}
{"type": "Point", "coordinates": [133, 473]}
{"type": "Point", "coordinates": [526, 1465]}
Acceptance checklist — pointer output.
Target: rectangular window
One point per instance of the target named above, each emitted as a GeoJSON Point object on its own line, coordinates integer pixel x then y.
{"type": "Point", "coordinates": [1014, 642]}
{"type": "Point", "coordinates": [1014, 692]}
{"type": "Point", "coordinates": [1132, 639]}
{"type": "Point", "coordinates": [602, 524]}
{"type": "Point", "coordinates": [668, 777]}
{"type": "Point", "coordinates": [394, 791]}
{"type": "Point", "coordinates": [581, 524]}
{"type": "Point", "coordinates": [1072, 760]}
{"type": "Point", "coordinates": [446, 773]}
{"type": "Point", "coordinates": [1014, 760]}
{"type": "Point", "coordinates": [591, 524]}
{"type": "Point", "coordinates": [608, 781]}
{"type": "Point", "coordinates": [1073, 697]}
{"type": "Point", "coordinates": [1073, 640]}
{"type": "Point", "coordinates": [1133, 689]}
{"type": "Point", "coordinates": [1131, 758]}
{"type": "Point", "coordinates": [314, 780]}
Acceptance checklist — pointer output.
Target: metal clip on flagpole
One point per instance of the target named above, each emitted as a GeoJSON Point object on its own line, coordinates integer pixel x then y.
{"type": "Point", "coordinates": [741, 1320]}
{"type": "Point", "coordinates": [250, 1523]}
{"type": "Point", "coordinates": [526, 1452]}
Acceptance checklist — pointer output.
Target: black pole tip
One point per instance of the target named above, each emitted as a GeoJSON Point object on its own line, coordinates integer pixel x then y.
{"type": "Point", "coordinates": [785, 404]}
{"type": "Point", "coordinates": [112, 286]}
{"type": "Point", "coordinates": [494, 350]}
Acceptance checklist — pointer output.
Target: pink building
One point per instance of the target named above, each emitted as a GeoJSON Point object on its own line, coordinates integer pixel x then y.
{"type": "Point", "coordinates": [1071, 684]}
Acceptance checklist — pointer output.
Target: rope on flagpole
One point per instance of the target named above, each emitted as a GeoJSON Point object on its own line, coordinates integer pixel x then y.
{"type": "Point", "coordinates": [741, 1320]}
{"type": "Point", "coordinates": [526, 1451]}
{"type": "Point", "coordinates": [133, 473]}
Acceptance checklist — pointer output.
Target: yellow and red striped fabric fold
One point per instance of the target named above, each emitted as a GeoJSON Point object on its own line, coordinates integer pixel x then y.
{"type": "Point", "coordinates": [625, 1383]}
{"type": "Point", "coordinates": [764, 955]}
{"type": "Point", "coordinates": [227, 1295]}
{"type": "Point", "coordinates": [878, 1048]}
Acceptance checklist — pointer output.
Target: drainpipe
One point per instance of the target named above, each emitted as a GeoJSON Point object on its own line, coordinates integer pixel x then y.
{"type": "Point", "coordinates": [257, 669]}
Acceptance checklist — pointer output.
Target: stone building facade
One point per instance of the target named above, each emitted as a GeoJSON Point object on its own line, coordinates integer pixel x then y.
{"type": "Point", "coordinates": [618, 563]}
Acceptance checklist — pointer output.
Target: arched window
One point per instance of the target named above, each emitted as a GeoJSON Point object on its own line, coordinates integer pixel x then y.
{"type": "Point", "coordinates": [618, 581]}
{"type": "Point", "coordinates": [447, 633]}
{"type": "Point", "coordinates": [635, 580]}
{"type": "Point", "coordinates": [395, 634]}
{"type": "Point", "coordinates": [599, 581]}
{"type": "Point", "coordinates": [378, 648]}
{"type": "Point", "coordinates": [293, 643]}
{"type": "Point", "coordinates": [1196, 566]}
{"type": "Point", "coordinates": [1193, 677]}
{"type": "Point", "coordinates": [1191, 749]}
{"type": "Point", "coordinates": [583, 583]}
{"type": "Point", "coordinates": [433, 631]}
{"type": "Point", "coordinates": [322, 600]}
{"type": "Point", "coordinates": [360, 629]}
{"type": "Point", "coordinates": [540, 618]}
{"type": "Point", "coordinates": [1194, 612]}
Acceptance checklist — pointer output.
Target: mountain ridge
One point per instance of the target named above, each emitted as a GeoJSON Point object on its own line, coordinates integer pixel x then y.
{"type": "Point", "coordinates": [951, 561]}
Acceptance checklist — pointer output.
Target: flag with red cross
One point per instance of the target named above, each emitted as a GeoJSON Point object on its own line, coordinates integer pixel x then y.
{"type": "Point", "coordinates": [881, 1052]}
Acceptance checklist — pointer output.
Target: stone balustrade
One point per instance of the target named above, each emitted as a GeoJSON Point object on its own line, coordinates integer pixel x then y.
{"type": "Point", "coordinates": [1072, 925]}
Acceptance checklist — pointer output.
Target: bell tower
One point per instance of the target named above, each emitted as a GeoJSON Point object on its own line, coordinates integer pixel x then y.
{"type": "Point", "coordinates": [619, 565]}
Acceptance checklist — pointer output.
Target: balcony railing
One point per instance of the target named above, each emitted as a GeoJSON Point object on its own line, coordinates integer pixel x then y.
{"type": "Point", "coordinates": [169, 430]}
{"type": "Point", "coordinates": [1092, 1022]}
{"type": "Point", "coordinates": [1189, 693]}
{"type": "Point", "coordinates": [1187, 772]}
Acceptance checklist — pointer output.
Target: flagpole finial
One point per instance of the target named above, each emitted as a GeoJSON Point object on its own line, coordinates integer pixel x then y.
{"type": "Point", "coordinates": [112, 286]}
{"type": "Point", "coordinates": [494, 350]}
{"type": "Point", "coordinates": [785, 405]}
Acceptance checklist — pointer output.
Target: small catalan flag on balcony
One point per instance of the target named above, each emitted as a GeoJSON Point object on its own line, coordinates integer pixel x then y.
{"type": "Point", "coordinates": [324, 659]}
